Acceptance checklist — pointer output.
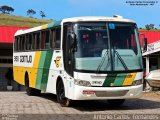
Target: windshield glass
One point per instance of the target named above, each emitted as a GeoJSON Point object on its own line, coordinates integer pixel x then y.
{"type": "Point", "coordinates": [107, 47]}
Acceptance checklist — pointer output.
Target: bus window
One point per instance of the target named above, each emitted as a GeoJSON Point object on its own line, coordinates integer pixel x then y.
{"type": "Point", "coordinates": [52, 38]}
{"type": "Point", "coordinates": [18, 45]}
{"type": "Point", "coordinates": [23, 43]}
{"type": "Point", "coordinates": [43, 35]}
{"type": "Point", "coordinates": [29, 41]}
{"type": "Point", "coordinates": [38, 41]}
{"type": "Point", "coordinates": [34, 41]}
{"type": "Point", "coordinates": [15, 43]}
{"type": "Point", "coordinates": [57, 38]}
{"type": "Point", "coordinates": [47, 41]}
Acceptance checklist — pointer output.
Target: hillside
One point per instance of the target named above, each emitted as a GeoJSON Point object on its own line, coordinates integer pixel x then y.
{"type": "Point", "coordinates": [10, 20]}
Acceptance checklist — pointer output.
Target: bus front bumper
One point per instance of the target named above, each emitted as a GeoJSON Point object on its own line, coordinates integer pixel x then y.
{"type": "Point", "coordinates": [104, 93]}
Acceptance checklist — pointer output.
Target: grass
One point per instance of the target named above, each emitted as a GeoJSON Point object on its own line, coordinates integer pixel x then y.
{"type": "Point", "coordinates": [11, 20]}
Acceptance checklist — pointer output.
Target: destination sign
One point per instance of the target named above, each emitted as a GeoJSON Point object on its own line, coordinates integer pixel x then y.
{"type": "Point", "coordinates": [92, 28]}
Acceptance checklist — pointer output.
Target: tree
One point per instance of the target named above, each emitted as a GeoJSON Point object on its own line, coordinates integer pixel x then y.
{"type": "Point", "coordinates": [31, 12]}
{"type": "Point", "coordinates": [6, 9]}
{"type": "Point", "coordinates": [42, 14]}
{"type": "Point", "coordinates": [149, 26]}
{"type": "Point", "coordinates": [10, 9]}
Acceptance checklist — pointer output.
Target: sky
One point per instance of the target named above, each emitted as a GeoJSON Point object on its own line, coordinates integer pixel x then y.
{"type": "Point", "coordinates": [59, 9]}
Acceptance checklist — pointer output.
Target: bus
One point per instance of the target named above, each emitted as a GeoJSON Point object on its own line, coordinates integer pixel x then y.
{"type": "Point", "coordinates": [81, 58]}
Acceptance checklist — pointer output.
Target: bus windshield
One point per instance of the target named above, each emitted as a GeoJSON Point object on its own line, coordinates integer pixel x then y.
{"type": "Point", "coordinates": [107, 47]}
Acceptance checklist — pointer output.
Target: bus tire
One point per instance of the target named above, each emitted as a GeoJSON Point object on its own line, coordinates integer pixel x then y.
{"type": "Point", "coordinates": [31, 91]}
{"type": "Point", "coordinates": [116, 102]}
{"type": "Point", "coordinates": [64, 102]}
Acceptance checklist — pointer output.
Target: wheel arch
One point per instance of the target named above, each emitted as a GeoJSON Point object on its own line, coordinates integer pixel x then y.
{"type": "Point", "coordinates": [26, 80]}
{"type": "Point", "coordinates": [59, 79]}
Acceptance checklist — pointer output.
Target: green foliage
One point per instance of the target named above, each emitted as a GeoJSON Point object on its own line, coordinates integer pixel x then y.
{"type": "Point", "coordinates": [42, 14]}
{"type": "Point", "coordinates": [144, 29]}
{"type": "Point", "coordinates": [6, 9]}
{"type": "Point", "coordinates": [149, 26]}
{"type": "Point", "coordinates": [31, 12]}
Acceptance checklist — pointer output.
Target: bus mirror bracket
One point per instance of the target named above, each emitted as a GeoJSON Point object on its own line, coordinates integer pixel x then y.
{"type": "Point", "coordinates": [144, 44]}
{"type": "Point", "coordinates": [74, 42]}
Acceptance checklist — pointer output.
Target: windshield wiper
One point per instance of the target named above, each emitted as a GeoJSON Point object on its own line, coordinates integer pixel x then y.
{"type": "Point", "coordinates": [102, 61]}
{"type": "Point", "coordinates": [104, 57]}
{"type": "Point", "coordinates": [121, 60]}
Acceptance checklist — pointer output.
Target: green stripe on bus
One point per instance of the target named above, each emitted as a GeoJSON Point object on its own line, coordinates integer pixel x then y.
{"type": "Point", "coordinates": [40, 70]}
{"type": "Point", "coordinates": [119, 79]}
{"type": "Point", "coordinates": [54, 24]}
{"type": "Point", "coordinates": [109, 79]}
{"type": "Point", "coordinates": [47, 64]}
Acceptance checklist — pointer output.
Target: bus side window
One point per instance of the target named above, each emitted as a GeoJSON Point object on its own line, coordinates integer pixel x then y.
{"type": "Point", "coordinates": [52, 39]}
{"type": "Point", "coordinates": [34, 41]}
{"type": "Point", "coordinates": [43, 35]}
{"type": "Point", "coordinates": [19, 45]}
{"type": "Point", "coordinates": [30, 42]}
{"type": "Point", "coordinates": [38, 41]}
{"type": "Point", "coordinates": [57, 37]}
{"type": "Point", "coordinates": [47, 39]}
{"type": "Point", "coordinates": [27, 40]}
{"type": "Point", "coordinates": [15, 43]}
{"type": "Point", "coordinates": [23, 43]}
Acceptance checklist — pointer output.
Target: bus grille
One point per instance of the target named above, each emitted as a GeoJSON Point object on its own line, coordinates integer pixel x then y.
{"type": "Point", "coordinates": [110, 93]}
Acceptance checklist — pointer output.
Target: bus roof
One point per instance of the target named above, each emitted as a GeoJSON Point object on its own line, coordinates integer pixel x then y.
{"type": "Point", "coordinates": [52, 24]}
{"type": "Point", "coordinates": [75, 19]}
{"type": "Point", "coordinates": [116, 18]}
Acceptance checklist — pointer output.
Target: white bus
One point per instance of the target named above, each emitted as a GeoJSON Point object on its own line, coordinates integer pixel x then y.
{"type": "Point", "coordinates": [81, 58]}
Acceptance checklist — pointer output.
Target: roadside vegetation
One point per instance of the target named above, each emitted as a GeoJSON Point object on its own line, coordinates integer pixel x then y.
{"type": "Point", "coordinates": [149, 27]}
{"type": "Point", "coordinates": [11, 20]}
{"type": "Point", "coordinates": [7, 18]}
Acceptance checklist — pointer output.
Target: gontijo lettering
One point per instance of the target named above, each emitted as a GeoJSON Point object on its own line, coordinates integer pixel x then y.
{"type": "Point", "coordinates": [23, 58]}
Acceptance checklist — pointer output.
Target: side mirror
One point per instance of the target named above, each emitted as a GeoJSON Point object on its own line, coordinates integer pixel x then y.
{"type": "Point", "coordinates": [73, 41]}
{"type": "Point", "coordinates": [144, 44]}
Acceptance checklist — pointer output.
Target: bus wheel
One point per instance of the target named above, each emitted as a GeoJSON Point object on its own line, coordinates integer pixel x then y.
{"type": "Point", "coordinates": [31, 91]}
{"type": "Point", "coordinates": [116, 102]}
{"type": "Point", "coordinates": [64, 102]}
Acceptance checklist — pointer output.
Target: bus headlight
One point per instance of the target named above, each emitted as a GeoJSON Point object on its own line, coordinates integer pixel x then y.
{"type": "Point", "coordinates": [137, 82]}
{"type": "Point", "coordinates": [82, 83]}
